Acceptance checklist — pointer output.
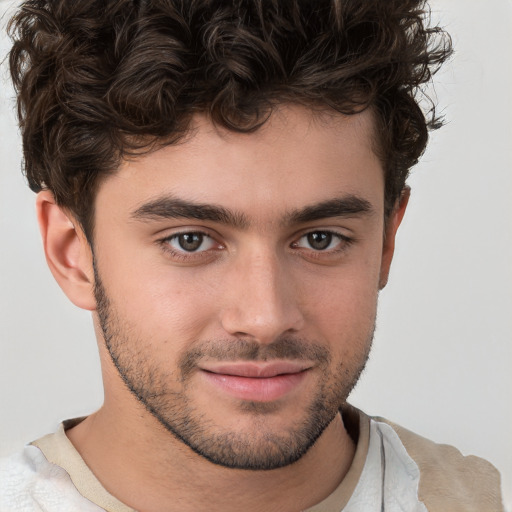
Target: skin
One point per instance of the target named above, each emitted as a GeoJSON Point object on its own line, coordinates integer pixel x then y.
{"type": "Point", "coordinates": [261, 285]}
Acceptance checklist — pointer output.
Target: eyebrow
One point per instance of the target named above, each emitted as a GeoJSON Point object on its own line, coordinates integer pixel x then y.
{"type": "Point", "coordinates": [173, 208]}
{"type": "Point", "coordinates": [346, 206]}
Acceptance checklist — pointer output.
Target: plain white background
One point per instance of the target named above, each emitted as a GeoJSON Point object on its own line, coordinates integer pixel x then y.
{"type": "Point", "coordinates": [442, 358]}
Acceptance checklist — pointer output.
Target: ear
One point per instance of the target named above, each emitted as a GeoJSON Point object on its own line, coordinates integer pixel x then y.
{"type": "Point", "coordinates": [67, 251]}
{"type": "Point", "coordinates": [388, 248]}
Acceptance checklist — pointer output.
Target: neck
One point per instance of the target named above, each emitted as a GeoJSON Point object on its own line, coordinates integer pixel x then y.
{"type": "Point", "coordinates": [134, 453]}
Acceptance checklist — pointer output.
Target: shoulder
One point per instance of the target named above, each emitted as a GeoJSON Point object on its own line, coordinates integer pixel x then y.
{"type": "Point", "coordinates": [446, 477]}
{"type": "Point", "coordinates": [28, 482]}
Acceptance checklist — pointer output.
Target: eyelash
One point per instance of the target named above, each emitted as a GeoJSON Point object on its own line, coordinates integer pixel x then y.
{"type": "Point", "coordinates": [184, 255]}
{"type": "Point", "coordinates": [344, 243]}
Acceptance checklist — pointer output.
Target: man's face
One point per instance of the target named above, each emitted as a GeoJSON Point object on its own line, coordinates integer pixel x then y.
{"type": "Point", "coordinates": [237, 278]}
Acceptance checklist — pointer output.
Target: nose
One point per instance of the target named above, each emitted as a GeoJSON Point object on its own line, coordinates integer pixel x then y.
{"type": "Point", "coordinates": [262, 300]}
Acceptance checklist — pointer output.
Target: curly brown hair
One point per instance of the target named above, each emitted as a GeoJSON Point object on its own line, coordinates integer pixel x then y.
{"type": "Point", "coordinates": [103, 80]}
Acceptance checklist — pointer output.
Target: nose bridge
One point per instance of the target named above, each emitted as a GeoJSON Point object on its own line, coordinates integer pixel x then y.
{"type": "Point", "coordinates": [262, 303]}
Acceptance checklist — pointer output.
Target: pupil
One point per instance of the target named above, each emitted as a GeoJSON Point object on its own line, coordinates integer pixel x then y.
{"type": "Point", "coordinates": [319, 240]}
{"type": "Point", "coordinates": [190, 241]}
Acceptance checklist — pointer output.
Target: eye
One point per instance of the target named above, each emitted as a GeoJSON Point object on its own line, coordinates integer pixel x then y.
{"type": "Point", "coordinates": [321, 240]}
{"type": "Point", "coordinates": [190, 242]}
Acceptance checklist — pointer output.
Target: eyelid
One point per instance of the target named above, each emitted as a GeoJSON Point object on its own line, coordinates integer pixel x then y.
{"type": "Point", "coordinates": [183, 229]}
{"type": "Point", "coordinates": [332, 231]}
{"type": "Point", "coordinates": [344, 242]}
{"type": "Point", "coordinates": [199, 256]}
{"type": "Point", "coordinates": [205, 237]}
{"type": "Point", "coordinates": [186, 256]}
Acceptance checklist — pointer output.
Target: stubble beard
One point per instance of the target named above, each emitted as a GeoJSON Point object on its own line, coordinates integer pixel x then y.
{"type": "Point", "coordinates": [259, 449]}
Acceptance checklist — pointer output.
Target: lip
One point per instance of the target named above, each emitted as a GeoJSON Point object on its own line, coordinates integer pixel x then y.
{"type": "Point", "coordinates": [257, 382]}
{"type": "Point", "coordinates": [256, 370]}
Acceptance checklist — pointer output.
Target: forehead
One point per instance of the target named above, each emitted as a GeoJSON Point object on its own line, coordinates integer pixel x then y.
{"type": "Point", "coordinates": [298, 157]}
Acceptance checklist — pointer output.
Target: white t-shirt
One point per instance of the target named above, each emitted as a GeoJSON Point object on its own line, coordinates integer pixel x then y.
{"type": "Point", "coordinates": [393, 470]}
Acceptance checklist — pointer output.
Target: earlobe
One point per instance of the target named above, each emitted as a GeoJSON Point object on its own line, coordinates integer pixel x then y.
{"type": "Point", "coordinates": [391, 229]}
{"type": "Point", "coordinates": [67, 251]}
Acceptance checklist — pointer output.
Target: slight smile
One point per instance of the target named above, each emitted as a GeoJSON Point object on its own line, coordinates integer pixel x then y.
{"type": "Point", "coordinates": [257, 382]}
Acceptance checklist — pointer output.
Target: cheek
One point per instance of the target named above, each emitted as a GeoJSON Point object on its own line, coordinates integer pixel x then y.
{"type": "Point", "coordinates": [343, 307]}
{"type": "Point", "coordinates": [349, 311]}
{"type": "Point", "coordinates": [159, 302]}
{"type": "Point", "coordinates": [165, 303]}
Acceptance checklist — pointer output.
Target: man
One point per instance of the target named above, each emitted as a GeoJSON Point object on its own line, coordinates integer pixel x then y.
{"type": "Point", "coordinates": [221, 185]}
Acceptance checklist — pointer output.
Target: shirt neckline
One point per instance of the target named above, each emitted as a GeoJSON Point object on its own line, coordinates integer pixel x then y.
{"type": "Point", "coordinates": [58, 449]}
